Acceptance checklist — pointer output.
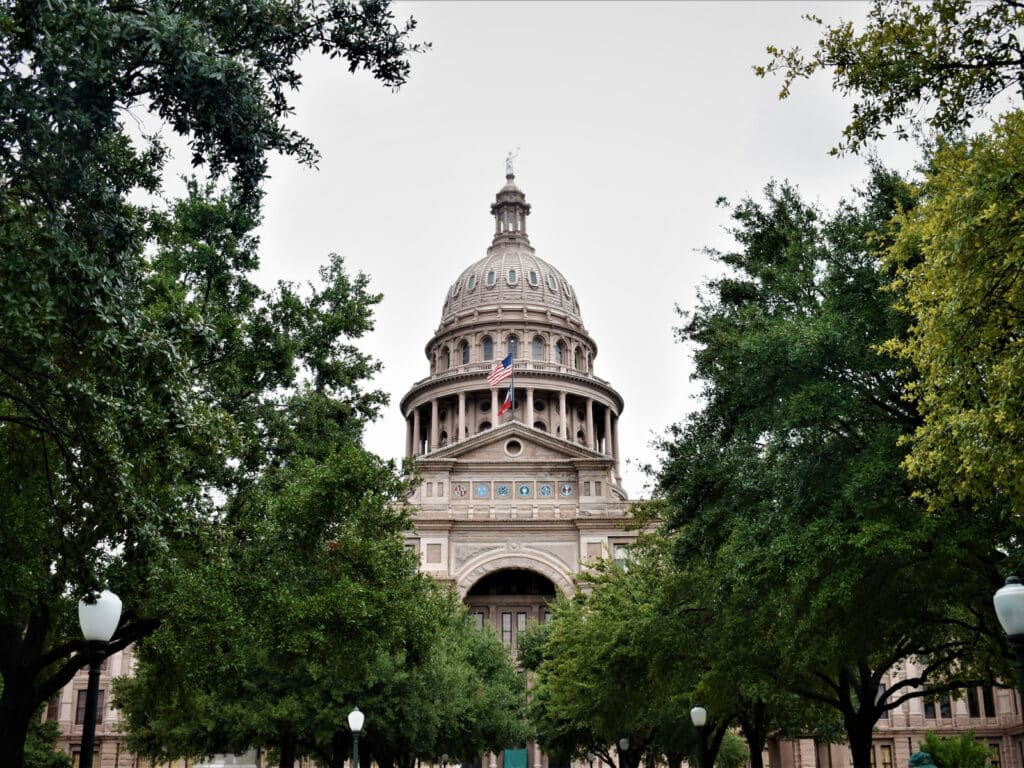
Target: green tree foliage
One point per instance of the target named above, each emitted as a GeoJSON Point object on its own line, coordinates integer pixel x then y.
{"type": "Point", "coordinates": [732, 753]}
{"type": "Point", "coordinates": [620, 660]}
{"type": "Point", "coordinates": [963, 751]}
{"type": "Point", "coordinates": [959, 258]}
{"type": "Point", "coordinates": [943, 61]}
{"type": "Point", "coordinates": [786, 492]}
{"type": "Point", "coordinates": [141, 372]}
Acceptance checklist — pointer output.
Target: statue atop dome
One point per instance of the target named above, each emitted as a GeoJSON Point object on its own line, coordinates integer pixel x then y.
{"type": "Point", "coordinates": [509, 173]}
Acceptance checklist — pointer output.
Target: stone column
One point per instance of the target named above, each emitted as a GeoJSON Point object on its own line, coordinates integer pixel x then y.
{"type": "Point", "coordinates": [538, 757]}
{"type": "Point", "coordinates": [494, 407]}
{"type": "Point", "coordinates": [529, 407]}
{"type": "Point", "coordinates": [433, 426]}
{"type": "Point", "coordinates": [591, 437]}
{"type": "Point", "coordinates": [462, 418]}
{"type": "Point", "coordinates": [410, 443]}
{"type": "Point", "coordinates": [608, 431]}
{"type": "Point", "coordinates": [561, 413]}
{"type": "Point", "coordinates": [416, 430]}
{"type": "Point", "coordinates": [615, 432]}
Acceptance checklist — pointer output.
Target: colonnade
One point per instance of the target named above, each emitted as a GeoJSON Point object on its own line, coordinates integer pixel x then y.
{"type": "Point", "coordinates": [416, 446]}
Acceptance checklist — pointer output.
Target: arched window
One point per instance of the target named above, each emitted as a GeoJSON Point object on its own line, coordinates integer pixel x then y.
{"type": "Point", "coordinates": [490, 278]}
{"type": "Point", "coordinates": [446, 359]}
{"type": "Point", "coordinates": [512, 347]}
{"type": "Point", "coordinates": [576, 356]}
{"type": "Point", "coordinates": [465, 353]}
{"type": "Point", "coordinates": [560, 353]}
{"type": "Point", "coordinates": [513, 277]}
{"type": "Point", "coordinates": [488, 348]}
{"type": "Point", "coordinates": [533, 278]}
{"type": "Point", "coordinates": [472, 283]}
{"type": "Point", "coordinates": [538, 348]}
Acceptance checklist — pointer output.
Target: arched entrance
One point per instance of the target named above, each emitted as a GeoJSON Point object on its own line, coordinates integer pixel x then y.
{"type": "Point", "coordinates": [509, 600]}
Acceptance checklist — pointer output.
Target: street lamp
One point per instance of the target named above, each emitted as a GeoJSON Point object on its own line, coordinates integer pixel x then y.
{"type": "Point", "coordinates": [699, 716]}
{"type": "Point", "coordinates": [1009, 603]}
{"type": "Point", "coordinates": [623, 749]}
{"type": "Point", "coordinates": [355, 723]}
{"type": "Point", "coordinates": [98, 620]}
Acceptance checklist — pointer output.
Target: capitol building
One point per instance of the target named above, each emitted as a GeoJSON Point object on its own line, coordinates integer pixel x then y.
{"type": "Point", "coordinates": [521, 489]}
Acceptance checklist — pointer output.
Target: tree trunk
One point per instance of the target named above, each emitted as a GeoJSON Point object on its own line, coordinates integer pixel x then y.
{"type": "Point", "coordinates": [754, 726]}
{"type": "Point", "coordinates": [286, 757]}
{"type": "Point", "coordinates": [858, 733]}
{"type": "Point", "coordinates": [339, 750]}
{"type": "Point", "coordinates": [14, 720]}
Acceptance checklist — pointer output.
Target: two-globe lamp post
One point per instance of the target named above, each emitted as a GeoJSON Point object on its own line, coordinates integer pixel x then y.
{"type": "Point", "coordinates": [99, 620]}
{"type": "Point", "coordinates": [1009, 604]}
{"type": "Point", "coordinates": [699, 716]}
{"type": "Point", "coordinates": [355, 723]}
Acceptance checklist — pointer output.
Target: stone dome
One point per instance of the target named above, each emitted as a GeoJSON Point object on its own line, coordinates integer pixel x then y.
{"type": "Point", "coordinates": [511, 276]}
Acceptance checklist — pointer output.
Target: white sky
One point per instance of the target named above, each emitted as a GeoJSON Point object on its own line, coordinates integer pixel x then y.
{"type": "Point", "coordinates": [631, 119]}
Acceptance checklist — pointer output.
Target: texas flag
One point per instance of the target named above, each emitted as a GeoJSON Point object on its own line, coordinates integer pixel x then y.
{"type": "Point", "coordinates": [509, 400]}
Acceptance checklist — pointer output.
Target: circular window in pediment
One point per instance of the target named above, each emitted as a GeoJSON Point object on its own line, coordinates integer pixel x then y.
{"type": "Point", "coordinates": [513, 448]}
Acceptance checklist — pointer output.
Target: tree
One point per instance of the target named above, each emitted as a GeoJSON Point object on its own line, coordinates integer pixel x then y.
{"type": "Point", "coordinates": [959, 271]}
{"type": "Point", "coordinates": [786, 490]}
{"type": "Point", "coordinates": [962, 751]}
{"type": "Point", "coordinates": [946, 60]}
{"type": "Point", "coordinates": [137, 361]}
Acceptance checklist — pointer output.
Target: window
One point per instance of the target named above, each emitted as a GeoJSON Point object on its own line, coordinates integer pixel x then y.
{"type": "Point", "coordinates": [488, 348]}
{"type": "Point", "coordinates": [485, 406]}
{"type": "Point", "coordinates": [512, 346]}
{"type": "Point", "coordinates": [929, 709]}
{"type": "Point", "coordinates": [972, 702]}
{"type": "Point", "coordinates": [551, 283]}
{"type": "Point", "coordinates": [989, 701]}
{"type": "Point", "coordinates": [994, 760]}
{"type": "Point", "coordinates": [490, 278]}
{"type": "Point", "coordinates": [465, 353]}
{"type": "Point", "coordinates": [76, 757]}
{"type": "Point", "coordinates": [455, 289]}
{"type": "Point", "coordinates": [537, 348]}
{"type": "Point", "coordinates": [484, 426]}
{"type": "Point", "coordinates": [576, 358]}
{"type": "Point", "coordinates": [513, 277]}
{"type": "Point", "coordinates": [80, 706]}
{"type": "Point", "coordinates": [945, 707]}
{"type": "Point", "coordinates": [478, 619]}
{"type": "Point", "coordinates": [53, 708]}
{"type": "Point", "coordinates": [533, 278]}
{"type": "Point", "coordinates": [540, 426]}
{"type": "Point", "coordinates": [446, 359]}
{"type": "Point", "coordinates": [472, 283]}
{"type": "Point", "coordinates": [506, 629]}
{"type": "Point", "coordinates": [559, 352]}
{"type": "Point", "coordinates": [886, 750]}
{"type": "Point", "coordinates": [621, 553]}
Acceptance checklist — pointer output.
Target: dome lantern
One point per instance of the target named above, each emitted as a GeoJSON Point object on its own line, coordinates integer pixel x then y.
{"type": "Point", "coordinates": [510, 210]}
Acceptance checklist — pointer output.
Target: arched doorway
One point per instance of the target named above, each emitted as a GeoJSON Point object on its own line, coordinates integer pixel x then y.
{"type": "Point", "coordinates": [510, 600]}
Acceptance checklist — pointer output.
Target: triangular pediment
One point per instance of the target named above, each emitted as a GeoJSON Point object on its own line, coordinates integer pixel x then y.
{"type": "Point", "coordinates": [493, 445]}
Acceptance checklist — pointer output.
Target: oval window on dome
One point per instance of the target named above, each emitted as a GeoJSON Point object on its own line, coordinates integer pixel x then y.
{"type": "Point", "coordinates": [455, 289]}
{"type": "Point", "coordinates": [568, 290]}
{"type": "Point", "coordinates": [471, 284]}
{"type": "Point", "coordinates": [551, 283]}
{"type": "Point", "coordinates": [513, 277]}
{"type": "Point", "coordinates": [490, 277]}
{"type": "Point", "coordinates": [534, 280]}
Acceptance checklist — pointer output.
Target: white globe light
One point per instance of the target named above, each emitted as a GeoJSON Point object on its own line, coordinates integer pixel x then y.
{"type": "Point", "coordinates": [1009, 603]}
{"type": "Point", "coordinates": [355, 720]}
{"type": "Point", "coordinates": [99, 619]}
{"type": "Point", "coordinates": [699, 716]}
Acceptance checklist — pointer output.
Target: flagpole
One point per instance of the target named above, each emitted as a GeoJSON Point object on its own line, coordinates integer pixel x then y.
{"type": "Point", "coordinates": [512, 389]}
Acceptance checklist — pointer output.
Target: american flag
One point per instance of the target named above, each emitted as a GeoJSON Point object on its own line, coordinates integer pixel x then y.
{"type": "Point", "coordinates": [501, 371]}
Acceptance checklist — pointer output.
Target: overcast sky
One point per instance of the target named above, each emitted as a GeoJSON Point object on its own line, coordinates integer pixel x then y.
{"type": "Point", "coordinates": [630, 120]}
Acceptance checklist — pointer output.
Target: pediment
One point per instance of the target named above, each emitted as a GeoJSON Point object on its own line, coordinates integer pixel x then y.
{"type": "Point", "coordinates": [492, 446]}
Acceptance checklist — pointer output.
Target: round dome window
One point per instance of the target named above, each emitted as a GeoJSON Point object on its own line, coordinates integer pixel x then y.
{"type": "Point", "coordinates": [513, 448]}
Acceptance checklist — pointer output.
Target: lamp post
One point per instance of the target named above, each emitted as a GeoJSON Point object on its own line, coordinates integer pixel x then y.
{"type": "Point", "coordinates": [98, 620]}
{"type": "Point", "coordinates": [444, 760]}
{"type": "Point", "coordinates": [699, 716]}
{"type": "Point", "coordinates": [355, 723]}
{"type": "Point", "coordinates": [1009, 603]}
